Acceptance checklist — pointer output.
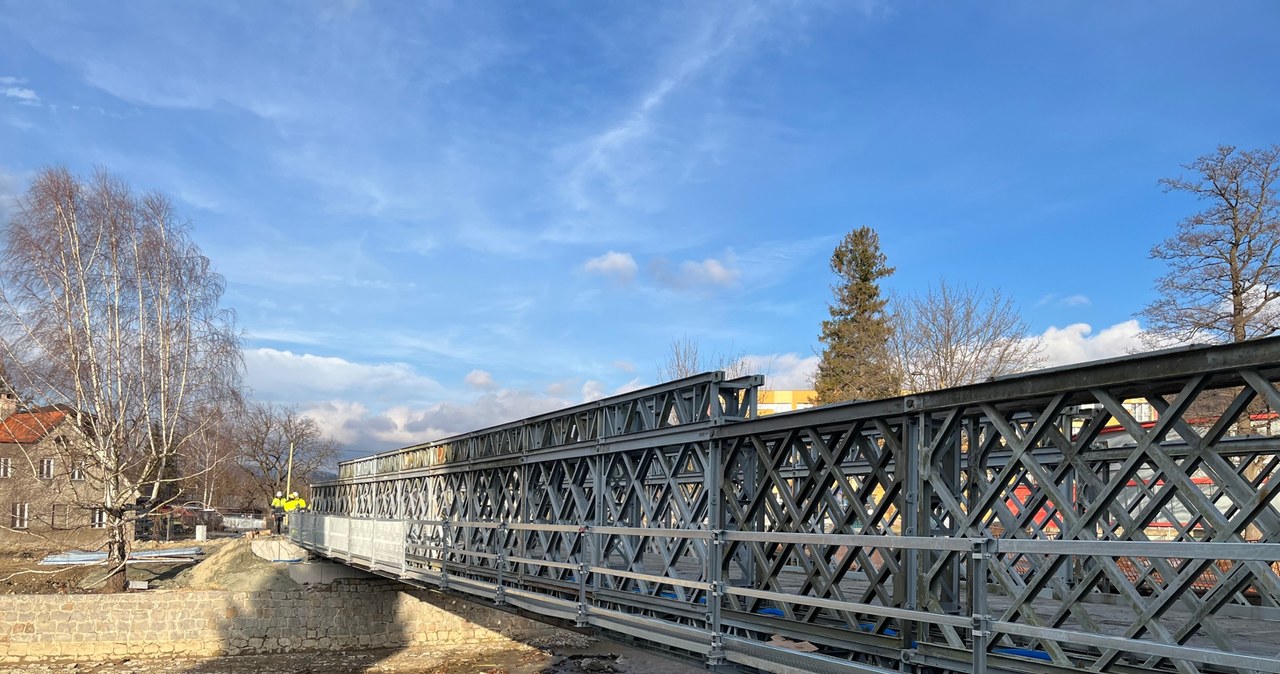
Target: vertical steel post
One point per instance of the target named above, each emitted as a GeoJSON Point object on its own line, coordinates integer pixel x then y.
{"type": "Point", "coordinates": [446, 542]}
{"type": "Point", "coordinates": [499, 594]}
{"type": "Point", "coordinates": [597, 540]}
{"type": "Point", "coordinates": [907, 585]}
{"type": "Point", "coordinates": [524, 517]}
{"type": "Point", "coordinates": [714, 560]}
{"type": "Point", "coordinates": [980, 614]}
{"type": "Point", "coordinates": [583, 569]}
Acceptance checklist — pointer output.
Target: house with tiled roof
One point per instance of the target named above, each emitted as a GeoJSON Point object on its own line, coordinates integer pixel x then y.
{"type": "Point", "coordinates": [43, 480]}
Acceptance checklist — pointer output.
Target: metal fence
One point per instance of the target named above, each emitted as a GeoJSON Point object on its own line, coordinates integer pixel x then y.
{"type": "Point", "coordinates": [1027, 524]}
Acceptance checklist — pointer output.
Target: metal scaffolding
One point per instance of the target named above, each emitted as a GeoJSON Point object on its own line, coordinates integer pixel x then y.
{"type": "Point", "coordinates": [1031, 523]}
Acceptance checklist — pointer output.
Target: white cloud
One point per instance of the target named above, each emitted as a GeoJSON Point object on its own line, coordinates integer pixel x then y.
{"type": "Point", "coordinates": [782, 371]}
{"type": "Point", "coordinates": [633, 385]}
{"type": "Point", "coordinates": [480, 379]}
{"type": "Point", "coordinates": [559, 389]}
{"type": "Point", "coordinates": [620, 267]}
{"type": "Point", "coordinates": [284, 375]}
{"type": "Point", "coordinates": [9, 88]}
{"type": "Point", "coordinates": [708, 274]}
{"type": "Point", "coordinates": [364, 431]}
{"type": "Point", "coordinates": [709, 271]}
{"type": "Point", "coordinates": [592, 390]}
{"type": "Point", "coordinates": [595, 390]}
{"type": "Point", "coordinates": [1077, 342]}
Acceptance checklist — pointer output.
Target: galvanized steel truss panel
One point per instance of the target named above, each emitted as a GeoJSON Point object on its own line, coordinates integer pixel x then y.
{"type": "Point", "coordinates": [1023, 524]}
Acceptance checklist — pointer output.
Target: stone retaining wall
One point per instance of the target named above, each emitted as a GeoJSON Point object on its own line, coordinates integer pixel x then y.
{"type": "Point", "coordinates": [348, 615]}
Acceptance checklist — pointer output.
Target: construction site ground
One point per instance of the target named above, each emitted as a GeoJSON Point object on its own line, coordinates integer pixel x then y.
{"type": "Point", "coordinates": [229, 564]}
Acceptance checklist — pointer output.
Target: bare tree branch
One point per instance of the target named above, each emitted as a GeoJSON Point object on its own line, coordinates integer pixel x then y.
{"type": "Point", "coordinates": [951, 336]}
{"type": "Point", "coordinates": [685, 360]}
{"type": "Point", "coordinates": [1223, 278]}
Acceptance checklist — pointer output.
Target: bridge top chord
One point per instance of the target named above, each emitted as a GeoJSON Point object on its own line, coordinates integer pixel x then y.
{"type": "Point", "coordinates": [707, 399]}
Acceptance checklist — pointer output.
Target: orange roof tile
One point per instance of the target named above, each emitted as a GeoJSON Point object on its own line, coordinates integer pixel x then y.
{"type": "Point", "coordinates": [29, 427]}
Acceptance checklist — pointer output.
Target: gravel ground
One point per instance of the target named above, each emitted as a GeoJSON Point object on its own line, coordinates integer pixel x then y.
{"type": "Point", "coordinates": [599, 657]}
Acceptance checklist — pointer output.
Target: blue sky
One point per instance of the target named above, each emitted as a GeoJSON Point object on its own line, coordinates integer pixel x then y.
{"type": "Point", "coordinates": [437, 216]}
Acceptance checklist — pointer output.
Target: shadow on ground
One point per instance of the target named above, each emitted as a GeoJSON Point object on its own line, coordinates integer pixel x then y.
{"type": "Point", "coordinates": [326, 618]}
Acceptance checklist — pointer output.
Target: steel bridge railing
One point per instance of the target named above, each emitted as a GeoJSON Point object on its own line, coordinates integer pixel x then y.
{"type": "Point", "coordinates": [1029, 524]}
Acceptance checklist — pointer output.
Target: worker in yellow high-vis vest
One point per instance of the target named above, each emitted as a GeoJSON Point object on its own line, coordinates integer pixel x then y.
{"type": "Point", "coordinates": [277, 509]}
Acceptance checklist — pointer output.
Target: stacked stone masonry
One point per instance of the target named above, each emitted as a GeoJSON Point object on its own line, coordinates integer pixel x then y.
{"type": "Point", "coordinates": [353, 615]}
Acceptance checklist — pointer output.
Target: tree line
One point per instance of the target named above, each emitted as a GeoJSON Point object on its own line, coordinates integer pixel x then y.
{"type": "Point", "coordinates": [111, 321]}
{"type": "Point", "coordinates": [1222, 284]}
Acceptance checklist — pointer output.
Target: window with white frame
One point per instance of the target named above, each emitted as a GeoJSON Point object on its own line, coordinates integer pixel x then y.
{"type": "Point", "coordinates": [98, 518]}
{"type": "Point", "coordinates": [6, 467]}
{"type": "Point", "coordinates": [46, 469]}
{"type": "Point", "coordinates": [21, 516]}
{"type": "Point", "coordinates": [77, 471]}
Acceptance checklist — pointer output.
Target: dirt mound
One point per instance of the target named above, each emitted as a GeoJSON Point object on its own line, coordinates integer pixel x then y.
{"type": "Point", "coordinates": [234, 567]}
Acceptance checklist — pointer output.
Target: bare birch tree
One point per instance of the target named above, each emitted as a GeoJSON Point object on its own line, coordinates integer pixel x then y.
{"type": "Point", "coordinates": [1223, 282]}
{"type": "Point", "coordinates": [952, 336]}
{"type": "Point", "coordinates": [108, 310]}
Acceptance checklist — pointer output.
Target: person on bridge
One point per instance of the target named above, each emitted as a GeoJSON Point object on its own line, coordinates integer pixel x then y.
{"type": "Point", "coordinates": [295, 502]}
{"type": "Point", "coordinates": [277, 509]}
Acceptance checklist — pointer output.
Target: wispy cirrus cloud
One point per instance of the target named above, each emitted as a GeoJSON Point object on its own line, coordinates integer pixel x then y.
{"type": "Point", "coordinates": [672, 132]}
{"type": "Point", "coordinates": [1076, 300]}
{"type": "Point", "coordinates": [613, 163]}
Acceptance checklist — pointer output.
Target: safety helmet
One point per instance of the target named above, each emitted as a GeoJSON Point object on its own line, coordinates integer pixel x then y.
{"type": "Point", "coordinates": [293, 494]}
{"type": "Point", "coordinates": [279, 494]}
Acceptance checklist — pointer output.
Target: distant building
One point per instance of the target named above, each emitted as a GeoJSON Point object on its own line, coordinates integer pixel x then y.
{"type": "Point", "coordinates": [770, 402]}
{"type": "Point", "coordinates": [41, 482]}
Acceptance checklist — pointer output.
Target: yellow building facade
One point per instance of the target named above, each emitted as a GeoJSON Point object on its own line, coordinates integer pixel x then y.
{"type": "Point", "coordinates": [771, 402]}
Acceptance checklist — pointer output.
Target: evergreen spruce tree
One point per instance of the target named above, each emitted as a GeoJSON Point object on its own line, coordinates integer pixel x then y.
{"type": "Point", "coordinates": [856, 359]}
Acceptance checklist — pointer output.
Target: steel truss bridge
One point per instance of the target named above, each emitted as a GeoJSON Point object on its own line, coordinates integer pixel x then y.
{"type": "Point", "coordinates": [1026, 524]}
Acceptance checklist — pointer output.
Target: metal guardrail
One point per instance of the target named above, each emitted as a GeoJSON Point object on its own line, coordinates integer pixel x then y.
{"type": "Point", "coordinates": [981, 529]}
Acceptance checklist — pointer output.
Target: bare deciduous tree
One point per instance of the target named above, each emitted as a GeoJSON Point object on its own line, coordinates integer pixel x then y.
{"type": "Point", "coordinates": [1223, 281]}
{"type": "Point", "coordinates": [211, 454]}
{"type": "Point", "coordinates": [268, 433]}
{"type": "Point", "coordinates": [109, 311]}
{"type": "Point", "coordinates": [685, 360]}
{"type": "Point", "coordinates": [952, 336]}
